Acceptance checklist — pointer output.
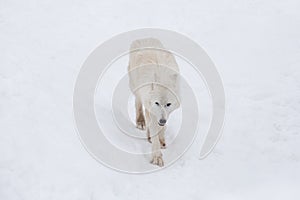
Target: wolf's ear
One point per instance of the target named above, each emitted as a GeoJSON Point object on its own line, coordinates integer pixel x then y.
{"type": "Point", "coordinates": [174, 78]}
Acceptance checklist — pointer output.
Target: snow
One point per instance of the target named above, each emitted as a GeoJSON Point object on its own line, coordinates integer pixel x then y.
{"type": "Point", "coordinates": [255, 46]}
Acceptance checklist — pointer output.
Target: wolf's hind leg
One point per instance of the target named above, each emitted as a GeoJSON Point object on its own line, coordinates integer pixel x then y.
{"type": "Point", "coordinates": [140, 119]}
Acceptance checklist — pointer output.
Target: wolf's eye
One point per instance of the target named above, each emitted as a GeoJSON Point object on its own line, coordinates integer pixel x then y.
{"type": "Point", "coordinates": [168, 104]}
{"type": "Point", "coordinates": [157, 103]}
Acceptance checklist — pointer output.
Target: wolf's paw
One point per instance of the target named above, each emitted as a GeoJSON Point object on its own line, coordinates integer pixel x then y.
{"type": "Point", "coordinates": [157, 159]}
{"type": "Point", "coordinates": [149, 140]}
{"type": "Point", "coordinates": [141, 125]}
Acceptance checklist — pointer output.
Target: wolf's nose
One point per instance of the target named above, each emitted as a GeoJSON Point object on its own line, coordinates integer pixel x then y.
{"type": "Point", "coordinates": [162, 121]}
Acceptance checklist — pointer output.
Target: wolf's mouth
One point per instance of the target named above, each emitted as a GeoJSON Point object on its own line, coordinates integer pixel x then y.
{"type": "Point", "coordinates": [161, 124]}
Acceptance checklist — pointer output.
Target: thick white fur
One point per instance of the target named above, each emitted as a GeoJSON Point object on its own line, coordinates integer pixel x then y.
{"type": "Point", "coordinates": [153, 79]}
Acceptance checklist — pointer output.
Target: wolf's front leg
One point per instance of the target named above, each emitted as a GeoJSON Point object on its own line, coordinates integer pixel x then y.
{"type": "Point", "coordinates": [153, 131]}
{"type": "Point", "coordinates": [140, 119]}
{"type": "Point", "coordinates": [161, 137]}
{"type": "Point", "coordinates": [156, 153]}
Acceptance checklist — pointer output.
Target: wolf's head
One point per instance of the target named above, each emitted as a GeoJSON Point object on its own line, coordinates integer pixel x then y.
{"type": "Point", "coordinates": [161, 101]}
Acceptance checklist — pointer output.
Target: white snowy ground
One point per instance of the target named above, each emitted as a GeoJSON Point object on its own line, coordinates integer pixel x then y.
{"type": "Point", "coordinates": [254, 44]}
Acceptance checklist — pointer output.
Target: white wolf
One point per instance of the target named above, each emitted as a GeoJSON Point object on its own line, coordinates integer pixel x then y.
{"type": "Point", "coordinates": [153, 79]}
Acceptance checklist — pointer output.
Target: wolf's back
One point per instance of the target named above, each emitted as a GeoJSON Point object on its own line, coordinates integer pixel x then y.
{"type": "Point", "coordinates": [146, 42]}
{"type": "Point", "coordinates": [150, 51]}
{"type": "Point", "coordinates": [150, 62]}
